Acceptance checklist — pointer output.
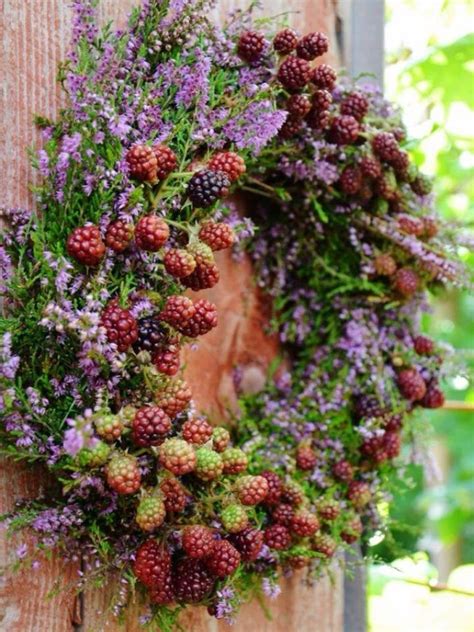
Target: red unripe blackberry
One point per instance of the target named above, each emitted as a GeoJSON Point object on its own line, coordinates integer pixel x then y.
{"type": "Point", "coordinates": [191, 581]}
{"type": "Point", "coordinates": [150, 426]}
{"type": "Point", "coordinates": [174, 397]}
{"type": "Point", "coordinates": [235, 461]}
{"type": "Point", "coordinates": [304, 523]}
{"type": "Point", "coordinates": [248, 542]}
{"type": "Point", "coordinates": [294, 73]}
{"type": "Point", "coordinates": [229, 163]}
{"type": "Point", "coordinates": [151, 513]}
{"type": "Point", "coordinates": [224, 559]}
{"type": "Point", "coordinates": [371, 446]}
{"type": "Point", "coordinates": [163, 594]}
{"type": "Point", "coordinates": [329, 509]}
{"type": "Point", "coordinates": [152, 563]}
{"type": "Point", "coordinates": [220, 439]}
{"type": "Point", "coordinates": [197, 541]}
{"type": "Point", "coordinates": [324, 544]}
{"type": "Point", "coordinates": [285, 41]}
{"type": "Point", "coordinates": [359, 494]}
{"type": "Point", "coordinates": [151, 233]}
{"type": "Point", "coordinates": [175, 496]}
{"type": "Point", "coordinates": [177, 456]}
{"type": "Point", "coordinates": [275, 486]}
{"type": "Point", "coordinates": [386, 187]}
{"type": "Point", "coordinates": [290, 127]}
{"type": "Point", "coordinates": [252, 490]}
{"type": "Point", "coordinates": [321, 99]}
{"type": "Point", "coordinates": [318, 119]}
{"type": "Point", "coordinates": [298, 105]}
{"type": "Point", "coordinates": [179, 262]}
{"type": "Point", "coordinates": [351, 180]}
{"type": "Point", "coordinates": [206, 187]}
{"type": "Point", "coordinates": [352, 529]}
{"type": "Point", "coordinates": [205, 276]}
{"type": "Point", "coordinates": [356, 105]}
{"type": "Point", "coordinates": [401, 164]}
{"type": "Point", "coordinates": [292, 493]}
{"type": "Point", "coordinates": [385, 265]}
{"type": "Point", "coordinates": [323, 77]}
{"type": "Point", "coordinates": [197, 431]}
{"type": "Point", "coordinates": [251, 46]}
{"type": "Point", "coordinates": [385, 146]}
{"type": "Point", "coordinates": [343, 471]}
{"type": "Point", "coordinates": [370, 167]}
{"type": "Point", "coordinates": [423, 345]}
{"type": "Point", "coordinates": [85, 245]}
{"type": "Point", "coordinates": [297, 562]}
{"type": "Point", "coordinates": [430, 226]}
{"type": "Point", "coordinates": [118, 235]}
{"type": "Point", "coordinates": [123, 473]}
{"type": "Point", "coordinates": [406, 282]}
{"type": "Point", "coordinates": [203, 320]}
{"type": "Point", "coordinates": [218, 236]}
{"type": "Point", "coordinates": [177, 311]}
{"type": "Point", "coordinates": [410, 225]}
{"type": "Point", "coordinates": [121, 327]}
{"type": "Point", "coordinates": [282, 514]}
{"type": "Point", "coordinates": [166, 161]}
{"type": "Point", "coordinates": [142, 163]}
{"type": "Point", "coordinates": [305, 457]}
{"type": "Point", "coordinates": [277, 537]}
{"type": "Point", "coordinates": [391, 444]}
{"type": "Point", "coordinates": [167, 360]}
{"type": "Point", "coordinates": [344, 130]}
{"type": "Point", "coordinates": [151, 335]}
{"type": "Point", "coordinates": [312, 45]}
{"type": "Point", "coordinates": [393, 423]}
{"type": "Point", "coordinates": [434, 397]}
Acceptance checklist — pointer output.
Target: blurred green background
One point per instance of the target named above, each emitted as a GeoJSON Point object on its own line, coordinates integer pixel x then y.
{"type": "Point", "coordinates": [430, 73]}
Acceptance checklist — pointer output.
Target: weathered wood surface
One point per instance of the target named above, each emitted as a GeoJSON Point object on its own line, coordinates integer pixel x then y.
{"type": "Point", "coordinates": [35, 36]}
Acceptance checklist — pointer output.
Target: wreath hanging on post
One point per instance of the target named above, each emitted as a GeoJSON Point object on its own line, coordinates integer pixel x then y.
{"type": "Point", "coordinates": [101, 286]}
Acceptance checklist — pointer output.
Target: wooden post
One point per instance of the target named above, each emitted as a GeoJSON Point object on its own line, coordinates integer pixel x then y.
{"type": "Point", "coordinates": [35, 36]}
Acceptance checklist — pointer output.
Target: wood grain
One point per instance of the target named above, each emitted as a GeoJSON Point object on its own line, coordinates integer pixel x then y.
{"type": "Point", "coordinates": [35, 36]}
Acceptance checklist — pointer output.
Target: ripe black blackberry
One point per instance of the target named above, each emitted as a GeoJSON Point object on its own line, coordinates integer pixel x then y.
{"type": "Point", "coordinates": [206, 187]}
{"type": "Point", "coordinates": [285, 41]}
{"type": "Point", "coordinates": [290, 127]}
{"type": "Point", "coordinates": [368, 407]}
{"type": "Point", "coordinates": [356, 105]}
{"type": "Point", "coordinates": [323, 76]}
{"type": "Point", "coordinates": [151, 335]}
{"type": "Point", "coordinates": [385, 146]}
{"type": "Point", "coordinates": [298, 105]}
{"type": "Point", "coordinates": [294, 73]}
{"type": "Point", "coordinates": [248, 542]}
{"type": "Point", "coordinates": [321, 99]}
{"type": "Point", "coordinates": [351, 180]}
{"type": "Point", "coordinates": [191, 581]}
{"type": "Point", "coordinates": [318, 119]}
{"type": "Point", "coordinates": [150, 426]}
{"type": "Point", "coordinates": [251, 46]}
{"type": "Point", "coordinates": [312, 45]}
{"type": "Point", "coordinates": [344, 130]}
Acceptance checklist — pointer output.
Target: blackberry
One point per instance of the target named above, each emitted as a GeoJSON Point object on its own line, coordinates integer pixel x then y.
{"type": "Point", "coordinates": [410, 225]}
{"type": "Point", "coordinates": [274, 487]}
{"type": "Point", "coordinates": [391, 444]}
{"type": "Point", "coordinates": [177, 456]}
{"type": "Point", "coordinates": [151, 513]}
{"type": "Point", "coordinates": [434, 396]}
{"type": "Point", "coordinates": [174, 397]}
{"type": "Point", "coordinates": [343, 470]}
{"type": "Point", "coordinates": [220, 440]}
{"type": "Point", "coordinates": [277, 537]}
{"type": "Point", "coordinates": [251, 46]}
{"type": "Point", "coordinates": [370, 167]}
{"type": "Point", "coordinates": [118, 236]}
{"type": "Point", "coordinates": [292, 493]}
{"type": "Point", "coordinates": [312, 45]}
{"type": "Point", "coordinates": [197, 541]}
{"type": "Point", "coordinates": [385, 146]}
{"type": "Point", "coordinates": [151, 233]}
{"type": "Point", "coordinates": [422, 185]}
{"type": "Point", "coordinates": [386, 186]}
{"type": "Point", "coordinates": [282, 514]}
{"type": "Point", "coordinates": [298, 105]}
{"type": "Point", "coordinates": [423, 345]}
{"type": "Point", "coordinates": [321, 99]}
{"type": "Point", "coordinates": [93, 457]}
{"type": "Point", "coordinates": [248, 542]}
{"type": "Point", "coordinates": [179, 263]}
{"type": "Point", "coordinates": [175, 496]}
{"type": "Point", "coordinates": [359, 494]}
{"type": "Point", "coordinates": [329, 509]}
{"type": "Point", "coordinates": [152, 563]}
{"type": "Point", "coordinates": [356, 105]}
{"type": "Point", "coordinates": [406, 282]}
{"type": "Point", "coordinates": [206, 187]}
{"type": "Point", "coordinates": [430, 226]}
{"type": "Point", "coordinates": [166, 161]}
{"type": "Point", "coordinates": [162, 594]}
{"type": "Point", "coordinates": [234, 518]}
{"type": "Point", "coordinates": [191, 581]}
{"type": "Point", "coordinates": [318, 119]}
{"type": "Point", "coordinates": [229, 163]}
{"type": "Point", "coordinates": [123, 473]}
{"type": "Point", "coordinates": [352, 529]}
{"type": "Point", "coordinates": [305, 457]}
{"type": "Point", "coordinates": [252, 490]}
{"type": "Point", "coordinates": [203, 320]}
{"type": "Point", "coordinates": [197, 431]}
{"type": "Point", "coordinates": [285, 41]}
{"type": "Point", "coordinates": [323, 77]}
{"type": "Point", "coordinates": [109, 427]}
{"type": "Point", "coordinates": [411, 384]}
{"type": "Point", "coordinates": [218, 236]}
{"type": "Point", "coordinates": [385, 265]}
{"type": "Point", "coordinates": [150, 426]}
{"type": "Point", "coordinates": [85, 245]}
{"type": "Point", "coordinates": [324, 544]}
{"type": "Point", "coordinates": [223, 560]}
{"type": "Point", "coordinates": [368, 407]}
{"type": "Point", "coordinates": [205, 276]}
{"type": "Point", "coordinates": [209, 464]}
{"type": "Point", "coordinates": [177, 311]}
{"type": "Point", "coordinates": [121, 327]}
{"type": "Point", "coordinates": [151, 335]}
{"type": "Point", "coordinates": [304, 523]}
{"type": "Point", "coordinates": [401, 164]}
{"type": "Point", "coordinates": [344, 130]}
{"type": "Point", "coordinates": [294, 73]}
{"type": "Point", "coordinates": [142, 163]}
{"type": "Point", "coordinates": [351, 180]}
{"type": "Point", "coordinates": [290, 127]}
{"type": "Point", "coordinates": [167, 359]}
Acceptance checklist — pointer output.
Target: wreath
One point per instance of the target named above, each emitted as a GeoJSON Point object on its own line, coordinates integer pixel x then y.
{"type": "Point", "coordinates": [165, 120]}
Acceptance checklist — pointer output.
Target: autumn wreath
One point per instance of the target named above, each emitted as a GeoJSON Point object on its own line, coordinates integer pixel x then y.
{"type": "Point", "coordinates": [101, 292]}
